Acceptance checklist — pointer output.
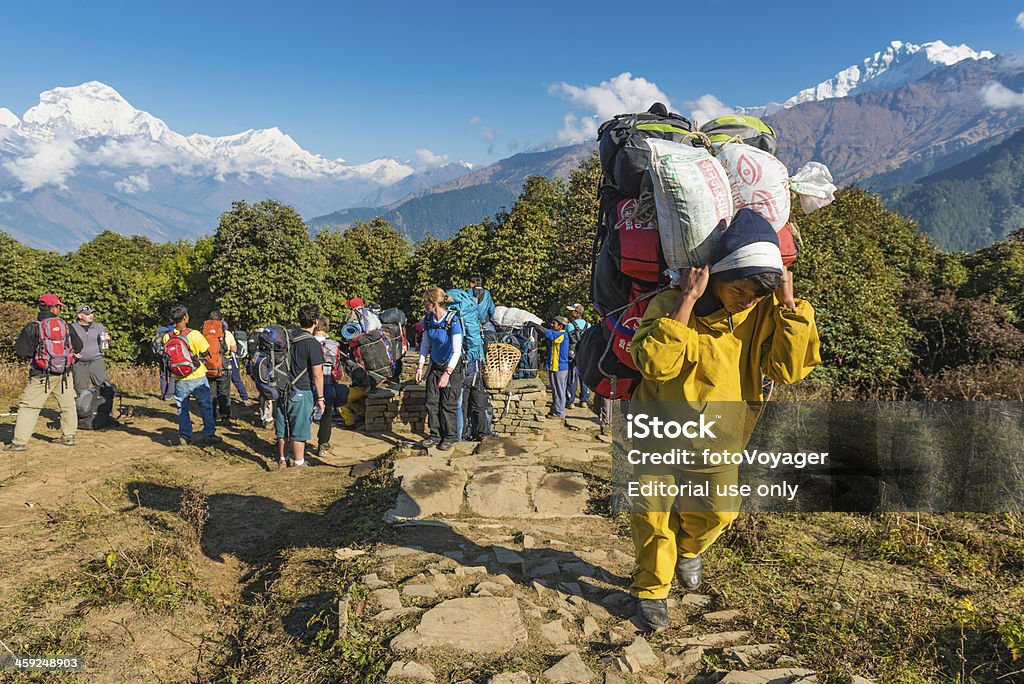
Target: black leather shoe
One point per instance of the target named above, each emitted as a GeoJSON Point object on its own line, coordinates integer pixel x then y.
{"type": "Point", "coordinates": [427, 443]}
{"type": "Point", "coordinates": [689, 572]}
{"type": "Point", "coordinates": [652, 614]}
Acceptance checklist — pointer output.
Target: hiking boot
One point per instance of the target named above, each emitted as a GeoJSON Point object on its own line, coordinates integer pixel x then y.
{"type": "Point", "coordinates": [652, 614]}
{"type": "Point", "coordinates": [282, 464]}
{"type": "Point", "coordinates": [15, 447]}
{"type": "Point", "coordinates": [428, 442]}
{"type": "Point", "coordinates": [181, 441]}
{"type": "Point", "coordinates": [689, 572]}
{"type": "Point", "coordinates": [299, 464]}
{"type": "Point", "coordinates": [208, 440]}
{"type": "Point", "coordinates": [446, 445]}
{"type": "Point", "coordinates": [66, 441]}
{"type": "Point", "coordinates": [323, 449]}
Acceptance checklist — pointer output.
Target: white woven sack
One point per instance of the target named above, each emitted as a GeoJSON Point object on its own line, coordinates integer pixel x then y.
{"type": "Point", "coordinates": [513, 318]}
{"type": "Point", "coordinates": [759, 181]}
{"type": "Point", "coordinates": [692, 197]}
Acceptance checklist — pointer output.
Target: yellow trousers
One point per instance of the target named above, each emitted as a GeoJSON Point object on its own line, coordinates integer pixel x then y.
{"type": "Point", "coordinates": [665, 528]}
{"type": "Point", "coordinates": [356, 406]}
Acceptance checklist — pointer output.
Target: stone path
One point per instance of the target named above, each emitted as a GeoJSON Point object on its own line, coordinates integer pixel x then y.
{"type": "Point", "coordinates": [501, 571]}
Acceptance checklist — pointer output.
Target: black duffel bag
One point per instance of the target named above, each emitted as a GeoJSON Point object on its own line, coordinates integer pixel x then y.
{"type": "Point", "coordinates": [96, 407]}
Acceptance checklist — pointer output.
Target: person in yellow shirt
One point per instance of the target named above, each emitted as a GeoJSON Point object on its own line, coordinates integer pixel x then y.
{"type": "Point", "coordinates": [194, 385]}
{"type": "Point", "coordinates": [710, 341]}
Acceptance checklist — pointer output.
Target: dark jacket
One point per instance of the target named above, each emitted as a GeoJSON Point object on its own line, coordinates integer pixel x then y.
{"type": "Point", "coordinates": [28, 342]}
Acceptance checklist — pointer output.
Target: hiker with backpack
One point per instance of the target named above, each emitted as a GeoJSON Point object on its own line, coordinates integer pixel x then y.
{"type": "Point", "coordinates": [558, 361]}
{"type": "Point", "coordinates": [335, 394]}
{"type": "Point", "coordinates": [484, 302]}
{"type": "Point", "coordinates": [184, 351]}
{"type": "Point", "coordinates": [235, 361]}
{"type": "Point", "coordinates": [218, 363]}
{"type": "Point", "coordinates": [303, 394]}
{"type": "Point", "coordinates": [50, 348]}
{"type": "Point", "coordinates": [473, 405]}
{"type": "Point", "coordinates": [89, 369]}
{"type": "Point", "coordinates": [442, 343]}
{"type": "Point", "coordinates": [156, 346]}
{"type": "Point", "coordinates": [576, 387]}
{"type": "Point", "coordinates": [708, 342]}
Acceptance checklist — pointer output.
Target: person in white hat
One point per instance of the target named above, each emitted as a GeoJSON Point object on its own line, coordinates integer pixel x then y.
{"type": "Point", "coordinates": [89, 369]}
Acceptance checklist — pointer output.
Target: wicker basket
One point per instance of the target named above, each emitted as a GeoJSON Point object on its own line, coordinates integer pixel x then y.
{"type": "Point", "coordinates": [501, 361]}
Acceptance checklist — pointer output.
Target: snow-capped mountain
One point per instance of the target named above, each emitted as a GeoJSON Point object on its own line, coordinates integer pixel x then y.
{"type": "Point", "coordinates": [899, 63]}
{"type": "Point", "coordinates": [95, 111]}
{"type": "Point", "coordinates": [84, 159]}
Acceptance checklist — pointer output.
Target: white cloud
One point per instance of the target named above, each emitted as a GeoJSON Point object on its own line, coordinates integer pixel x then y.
{"type": "Point", "coordinates": [1020, 20]}
{"type": "Point", "coordinates": [475, 120]}
{"type": "Point", "coordinates": [427, 159]}
{"type": "Point", "coordinates": [998, 96]}
{"type": "Point", "coordinates": [140, 152]}
{"type": "Point", "coordinates": [619, 95]}
{"type": "Point", "coordinates": [49, 162]}
{"type": "Point", "coordinates": [705, 108]}
{"type": "Point", "coordinates": [133, 184]}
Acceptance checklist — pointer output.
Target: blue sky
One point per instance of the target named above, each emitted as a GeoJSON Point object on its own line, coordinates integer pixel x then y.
{"type": "Point", "coordinates": [473, 81]}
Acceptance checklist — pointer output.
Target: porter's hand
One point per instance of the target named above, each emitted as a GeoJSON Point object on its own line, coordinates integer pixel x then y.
{"type": "Point", "coordinates": [784, 293]}
{"type": "Point", "coordinates": [419, 374]}
{"type": "Point", "coordinates": [695, 282]}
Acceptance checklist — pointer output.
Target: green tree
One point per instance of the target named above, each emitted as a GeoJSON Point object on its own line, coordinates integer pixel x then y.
{"type": "Point", "coordinates": [421, 272]}
{"type": "Point", "coordinates": [116, 275]}
{"type": "Point", "coordinates": [19, 270]}
{"type": "Point", "coordinates": [856, 257]}
{"type": "Point", "coordinates": [573, 241]}
{"type": "Point", "coordinates": [998, 271]}
{"type": "Point", "coordinates": [364, 261]}
{"type": "Point", "coordinates": [264, 265]}
{"type": "Point", "coordinates": [520, 251]}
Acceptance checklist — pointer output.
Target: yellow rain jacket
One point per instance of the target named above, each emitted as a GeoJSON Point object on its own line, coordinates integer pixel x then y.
{"type": "Point", "coordinates": [718, 359]}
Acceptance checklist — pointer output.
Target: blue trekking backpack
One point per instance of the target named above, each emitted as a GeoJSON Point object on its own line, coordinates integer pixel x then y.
{"type": "Point", "coordinates": [270, 361]}
{"type": "Point", "coordinates": [464, 303]}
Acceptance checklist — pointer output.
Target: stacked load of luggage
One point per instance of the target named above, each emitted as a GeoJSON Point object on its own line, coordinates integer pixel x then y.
{"type": "Point", "coordinates": [668, 193]}
{"type": "Point", "coordinates": [510, 328]}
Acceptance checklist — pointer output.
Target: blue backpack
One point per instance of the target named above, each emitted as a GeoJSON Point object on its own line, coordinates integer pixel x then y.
{"type": "Point", "coordinates": [464, 303]}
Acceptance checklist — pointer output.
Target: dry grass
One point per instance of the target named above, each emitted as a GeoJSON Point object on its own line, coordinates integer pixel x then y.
{"type": "Point", "coordinates": [132, 380]}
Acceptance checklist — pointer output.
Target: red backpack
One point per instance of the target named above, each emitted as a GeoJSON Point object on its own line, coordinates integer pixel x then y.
{"type": "Point", "coordinates": [178, 356]}
{"type": "Point", "coordinates": [635, 239]}
{"type": "Point", "coordinates": [54, 353]}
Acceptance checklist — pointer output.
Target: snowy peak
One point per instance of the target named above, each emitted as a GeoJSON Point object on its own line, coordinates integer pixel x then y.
{"type": "Point", "coordinates": [94, 116]}
{"type": "Point", "coordinates": [899, 63]}
{"type": "Point", "coordinates": [8, 118]}
{"type": "Point", "coordinates": [91, 110]}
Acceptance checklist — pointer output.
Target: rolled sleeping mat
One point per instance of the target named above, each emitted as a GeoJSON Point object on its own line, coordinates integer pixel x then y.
{"type": "Point", "coordinates": [351, 331]}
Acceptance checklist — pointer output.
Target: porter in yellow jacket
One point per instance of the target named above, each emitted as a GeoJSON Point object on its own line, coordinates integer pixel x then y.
{"type": "Point", "coordinates": [710, 342]}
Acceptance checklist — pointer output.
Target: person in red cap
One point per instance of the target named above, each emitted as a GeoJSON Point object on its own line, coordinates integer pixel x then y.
{"type": "Point", "coordinates": [49, 344]}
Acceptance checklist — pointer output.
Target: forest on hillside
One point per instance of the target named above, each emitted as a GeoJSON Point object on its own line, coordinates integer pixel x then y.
{"type": "Point", "coordinates": [897, 316]}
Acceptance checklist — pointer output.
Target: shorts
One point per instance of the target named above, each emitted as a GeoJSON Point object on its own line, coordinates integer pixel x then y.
{"type": "Point", "coordinates": [300, 417]}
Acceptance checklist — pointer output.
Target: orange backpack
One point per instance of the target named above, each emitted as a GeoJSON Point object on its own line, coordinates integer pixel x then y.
{"type": "Point", "coordinates": [213, 331]}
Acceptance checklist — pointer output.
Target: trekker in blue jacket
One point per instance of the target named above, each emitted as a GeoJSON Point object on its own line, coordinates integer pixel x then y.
{"type": "Point", "coordinates": [558, 362]}
{"type": "Point", "coordinates": [442, 342]}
